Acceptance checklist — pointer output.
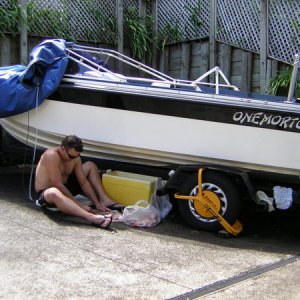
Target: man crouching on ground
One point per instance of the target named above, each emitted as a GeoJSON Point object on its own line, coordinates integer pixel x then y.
{"type": "Point", "coordinates": [60, 175]}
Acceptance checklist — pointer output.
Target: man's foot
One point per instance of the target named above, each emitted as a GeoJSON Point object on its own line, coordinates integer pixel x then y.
{"type": "Point", "coordinates": [108, 207]}
{"type": "Point", "coordinates": [117, 206]}
{"type": "Point", "coordinates": [104, 221]}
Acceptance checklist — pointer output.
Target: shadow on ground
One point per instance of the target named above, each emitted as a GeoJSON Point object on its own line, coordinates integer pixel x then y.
{"type": "Point", "coordinates": [271, 232]}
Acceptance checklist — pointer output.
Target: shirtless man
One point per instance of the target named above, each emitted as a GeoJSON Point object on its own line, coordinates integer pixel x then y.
{"type": "Point", "coordinates": [52, 182]}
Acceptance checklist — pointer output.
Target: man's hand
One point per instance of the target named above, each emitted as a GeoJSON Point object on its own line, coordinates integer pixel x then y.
{"type": "Point", "coordinates": [87, 208]}
{"type": "Point", "coordinates": [101, 207]}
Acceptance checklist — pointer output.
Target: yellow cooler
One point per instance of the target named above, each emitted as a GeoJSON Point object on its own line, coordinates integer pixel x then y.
{"type": "Point", "coordinates": [128, 188]}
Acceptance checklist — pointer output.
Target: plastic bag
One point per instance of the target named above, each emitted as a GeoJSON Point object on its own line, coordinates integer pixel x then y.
{"type": "Point", "coordinates": [142, 214]}
{"type": "Point", "coordinates": [262, 196]}
{"type": "Point", "coordinates": [283, 197]}
{"type": "Point", "coordinates": [163, 204]}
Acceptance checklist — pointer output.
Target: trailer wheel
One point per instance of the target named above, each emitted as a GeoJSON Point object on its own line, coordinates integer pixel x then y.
{"type": "Point", "coordinates": [223, 193]}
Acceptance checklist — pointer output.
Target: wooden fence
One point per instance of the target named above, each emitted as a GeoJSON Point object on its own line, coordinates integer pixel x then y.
{"type": "Point", "coordinates": [187, 60]}
{"type": "Point", "coordinates": [242, 68]}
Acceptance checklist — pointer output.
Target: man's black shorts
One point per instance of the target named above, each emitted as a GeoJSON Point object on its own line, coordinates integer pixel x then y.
{"type": "Point", "coordinates": [72, 185]}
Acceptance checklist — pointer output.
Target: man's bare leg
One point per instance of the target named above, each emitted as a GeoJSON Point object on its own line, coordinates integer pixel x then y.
{"type": "Point", "coordinates": [93, 176]}
{"type": "Point", "coordinates": [68, 206]}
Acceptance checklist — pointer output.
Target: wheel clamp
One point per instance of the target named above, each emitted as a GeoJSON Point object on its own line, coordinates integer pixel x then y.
{"type": "Point", "coordinates": [204, 197]}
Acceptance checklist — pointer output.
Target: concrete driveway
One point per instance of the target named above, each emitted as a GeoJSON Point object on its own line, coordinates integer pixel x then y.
{"type": "Point", "coordinates": [53, 256]}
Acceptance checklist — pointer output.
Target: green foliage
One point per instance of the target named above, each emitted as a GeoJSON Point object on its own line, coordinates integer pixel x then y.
{"type": "Point", "coordinates": [169, 34]}
{"type": "Point", "coordinates": [101, 24]}
{"type": "Point", "coordinates": [9, 18]}
{"type": "Point", "coordinates": [195, 13]}
{"type": "Point", "coordinates": [139, 32]}
{"type": "Point", "coordinates": [279, 84]}
{"type": "Point", "coordinates": [296, 31]}
{"type": "Point", "coordinates": [89, 31]}
{"type": "Point", "coordinates": [53, 22]}
{"type": "Point", "coordinates": [111, 27]}
{"type": "Point", "coordinates": [50, 21]}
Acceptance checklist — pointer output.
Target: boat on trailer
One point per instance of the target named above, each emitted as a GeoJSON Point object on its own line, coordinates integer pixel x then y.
{"type": "Point", "coordinates": [156, 120]}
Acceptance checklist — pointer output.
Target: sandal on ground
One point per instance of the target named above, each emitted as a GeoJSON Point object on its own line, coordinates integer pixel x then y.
{"type": "Point", "coordinates": [103, 223]}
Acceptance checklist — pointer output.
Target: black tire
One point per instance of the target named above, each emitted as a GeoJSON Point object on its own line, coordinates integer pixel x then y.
{"type": "Point", "coordinates": [227, 194]}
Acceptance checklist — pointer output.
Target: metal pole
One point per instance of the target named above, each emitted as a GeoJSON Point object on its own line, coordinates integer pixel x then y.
{"type": "Point", "coordinates": [212, 35]}
{"type": "Point", "coordinates": [293, 79]}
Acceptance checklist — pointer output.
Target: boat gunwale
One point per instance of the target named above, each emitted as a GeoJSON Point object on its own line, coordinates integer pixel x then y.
{"type": "Point", "coordinates": [178, 94]}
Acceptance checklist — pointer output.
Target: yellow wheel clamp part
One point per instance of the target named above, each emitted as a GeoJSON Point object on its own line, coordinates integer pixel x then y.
{"type": "Point", "coordinates": [211, 203]}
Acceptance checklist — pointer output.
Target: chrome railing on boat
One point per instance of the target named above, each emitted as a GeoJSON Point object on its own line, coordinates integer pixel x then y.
{"type": "Point", "coordinates": [217, 71]}
{"type": "Point", "coordinates": [161, 79]}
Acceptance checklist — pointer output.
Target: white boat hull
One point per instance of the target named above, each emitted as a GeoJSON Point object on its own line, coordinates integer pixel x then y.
{"type": "Point", "coordinates": [153, 139]}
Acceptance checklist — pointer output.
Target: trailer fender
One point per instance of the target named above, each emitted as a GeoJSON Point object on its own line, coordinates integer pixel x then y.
{"type": "Point", "coordinates": [241, 177]}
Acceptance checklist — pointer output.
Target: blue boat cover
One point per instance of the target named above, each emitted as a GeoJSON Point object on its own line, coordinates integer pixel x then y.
{"type": "Point", "coordinates": [23, 88]}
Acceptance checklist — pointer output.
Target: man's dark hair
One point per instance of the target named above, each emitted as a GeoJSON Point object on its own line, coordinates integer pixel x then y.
{"type": "Point", "coordinates": [72, 141]}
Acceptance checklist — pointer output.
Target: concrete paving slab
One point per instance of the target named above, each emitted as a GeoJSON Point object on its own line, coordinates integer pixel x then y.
{"type": "Point", "coordinates": [281, 283]}
{"type": "Point", "coordinates": [54, 256]}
